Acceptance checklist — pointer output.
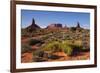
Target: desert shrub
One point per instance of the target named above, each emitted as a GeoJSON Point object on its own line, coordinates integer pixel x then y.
{"type": "Point", "coordinates": [52, 46]}
{"type": "Point", "coordinates": [24, 33]}
{"type": "Point", "coordinates": [77, 44]}
{"type": "Point", "coordinates": [73, 29]}
{"type": "Point", "coordinates": [34, 41]}
{"type": "Point", "coordinates": [84, 49]}
{"type": "Point", "coordinates": [76, 48]}
{"type": "Point", "coordinates": [38, 53]}
{"type": "Point", "coordinates": [56, 46]}
{"type": "Point", "coordinates": [66, 48]}
{"type": "Point", "coordinates": [39, 56]}
{"type": "Point", "coordinates": [45, 37]}
{"type": "Point", "coordinates": [25, 48]}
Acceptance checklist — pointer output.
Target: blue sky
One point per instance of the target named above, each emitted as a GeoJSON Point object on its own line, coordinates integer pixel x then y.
{"type": "Point", "coordinates": [44, 18]}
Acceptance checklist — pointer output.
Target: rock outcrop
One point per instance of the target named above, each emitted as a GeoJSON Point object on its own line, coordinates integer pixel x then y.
{"type": "Point", "coordinates": [33, 26]}
{"type": "Point", "coordinates": [58, 25]}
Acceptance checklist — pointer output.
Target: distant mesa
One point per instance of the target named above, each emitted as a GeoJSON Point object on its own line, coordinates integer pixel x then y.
{"type": "Point", "coordinates": [55, 25]}
{"type": "Point", "coordinates": [59, 25]}
{"type": "Point", "coordinates": [33, 26]}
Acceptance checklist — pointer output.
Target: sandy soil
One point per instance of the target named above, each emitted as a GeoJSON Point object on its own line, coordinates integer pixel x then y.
{"type": "Point", "coordinates": [27, 57]}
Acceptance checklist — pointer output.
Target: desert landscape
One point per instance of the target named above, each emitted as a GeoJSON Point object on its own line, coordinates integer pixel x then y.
{"type": "Point", "coordinates": [55, 42]}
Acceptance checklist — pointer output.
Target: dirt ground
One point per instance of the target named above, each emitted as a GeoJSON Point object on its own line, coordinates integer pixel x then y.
{"type": "Point", "coordinates": [28, 57]}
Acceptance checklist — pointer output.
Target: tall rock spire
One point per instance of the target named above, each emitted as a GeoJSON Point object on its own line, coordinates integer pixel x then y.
{"type": "Point", "coordinates": [33, 21]}
{"type": "Point", "coordinates": [78, 25]}
{"type": "Point", "coordinates": [33, 26]}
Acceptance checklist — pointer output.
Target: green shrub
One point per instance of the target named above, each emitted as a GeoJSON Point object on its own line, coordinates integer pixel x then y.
{"type": "Point", "coordinates": [85, 49]}
{"type": "Point", "coordinates": [56, 46]}
{"type": "Point", "coordinates": [66, 48]}
{"type": "Point", "coordinates": [25, 48]}
{"type": "Point", "coordinates": [34, 41]}
{"type": "Point", "coordinates": [73, 29]}
{"type": "Point", "coordinates": [76, 48]}
{"type": "Point", "coordinates": [52, 46]}
{"type": "Point", "coordinates": [38, 53]}
{"type": "Point", "coordinates": [25, 33]}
